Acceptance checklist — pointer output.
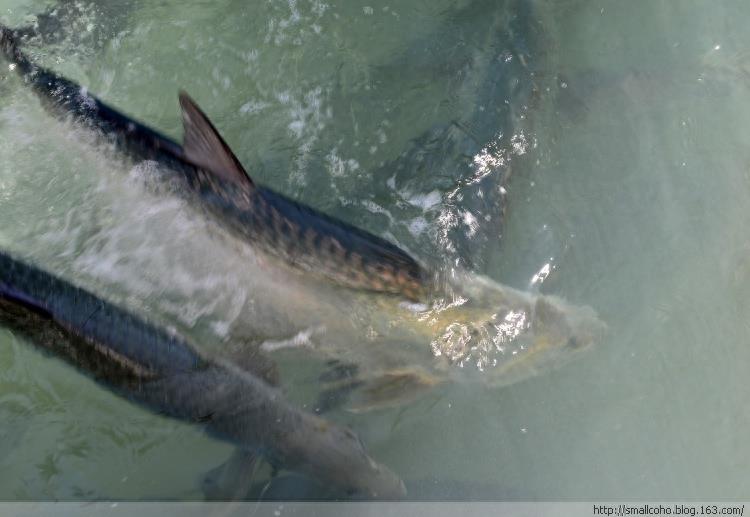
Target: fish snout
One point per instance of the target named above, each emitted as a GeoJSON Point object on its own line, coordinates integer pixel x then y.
{"type": "Point", "coordinates": [574, 327]}
{"type": "Point", "coordinates": [381, 483]}
{"type": "Point", "coordinates": [339, 456]}
{"type": "Point", "coordinates": [370, 479]}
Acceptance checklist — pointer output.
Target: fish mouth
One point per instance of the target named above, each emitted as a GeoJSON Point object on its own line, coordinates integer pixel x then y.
{"type": "Point", "coordinates": [381, 484]}
{"type": "Point", "coordinates": [337, 456]}
{"type": "Point", "coordinates": [366, 481]}
{"type": "Point", "coordinates": [369, 480]}
{"type": "Point", "coordinates": [573, 328]}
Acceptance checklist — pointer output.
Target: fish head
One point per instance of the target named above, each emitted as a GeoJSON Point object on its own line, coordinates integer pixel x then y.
{"type": "Point", "coordinates": [505, 334]}
{"type": "Point", "coordinates": [558, 332]}
{"type": "Point", "coordinates": [337, 455]}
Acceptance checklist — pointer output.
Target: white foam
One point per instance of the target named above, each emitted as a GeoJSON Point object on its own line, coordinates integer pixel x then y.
{"type": "Point", "coordinates": [426, 201]}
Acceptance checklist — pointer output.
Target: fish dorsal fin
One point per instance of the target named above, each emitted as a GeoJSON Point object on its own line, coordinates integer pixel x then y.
{"type": "Point", "coordinates": [204, 147]}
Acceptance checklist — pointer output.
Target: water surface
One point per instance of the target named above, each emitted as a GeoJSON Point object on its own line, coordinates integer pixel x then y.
{"type": "Point", "coordinates": [594, 150]}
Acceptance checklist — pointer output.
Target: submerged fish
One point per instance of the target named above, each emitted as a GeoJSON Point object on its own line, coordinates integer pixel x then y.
{"type": "Point", "coordinates": [349, 295]}
{"type": "Point", "coordinates": [469, 152]}
{"type": "Point", "coordinates": [163, 372]}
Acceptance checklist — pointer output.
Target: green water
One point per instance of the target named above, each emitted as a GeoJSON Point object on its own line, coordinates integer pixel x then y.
{"type": "Point", "coordinates": [617, 131]}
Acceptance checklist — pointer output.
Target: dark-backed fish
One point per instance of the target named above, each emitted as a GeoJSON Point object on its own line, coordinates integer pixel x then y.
{"type": "Point", "coordinates": [302, 236]}
{"type": "Point", "coordinates": [359, 299]}
{"type": "Point", "coordinates": [163, 372]}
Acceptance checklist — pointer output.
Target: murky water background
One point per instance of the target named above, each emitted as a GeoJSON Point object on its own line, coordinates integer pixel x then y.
{"type": "Point", "coordinates": [594, 150]}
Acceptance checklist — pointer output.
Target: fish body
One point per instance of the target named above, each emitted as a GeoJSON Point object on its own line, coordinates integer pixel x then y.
{"type": "Point", "coordinates": [163, 372]}
{"type": "Point", "coordinates": [354, 297]}
{"type": "Point", "coordinates": [302, 236]}
{"type": "Point", "coordinates": [470, 151]}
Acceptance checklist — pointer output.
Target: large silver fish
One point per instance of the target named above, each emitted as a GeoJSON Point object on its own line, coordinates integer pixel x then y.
{"type": "Point", "coordinates": [341, 291]}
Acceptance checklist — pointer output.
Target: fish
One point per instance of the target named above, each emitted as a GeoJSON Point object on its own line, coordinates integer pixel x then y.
{"type": "Point", "coordinates": [470, 151]}
{"type": "Point", "coordinates": [163, 372]}
{"type": "Point", "coordinates": [344, 294]}
{"type": "Point", "coordinates": [298, 234]}
{"type": "Point", "coordinates": [296, 487]}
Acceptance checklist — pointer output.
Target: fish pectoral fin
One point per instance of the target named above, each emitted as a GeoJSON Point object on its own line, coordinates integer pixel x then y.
{"type": "Point", "coordinates": [339, 381]}
{"type": "Point", "coordinates": [392, 388]}
{"type": "Point", "coordinates": [336, 395]}
{"type": "Point", "coordinates": [336, 371]}
{"type": "Point", "coordinates": [204, 147]}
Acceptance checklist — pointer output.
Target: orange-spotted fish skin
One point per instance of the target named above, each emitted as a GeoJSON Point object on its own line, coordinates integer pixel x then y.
{"type": "Point", "coordinates": [214, 179]}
